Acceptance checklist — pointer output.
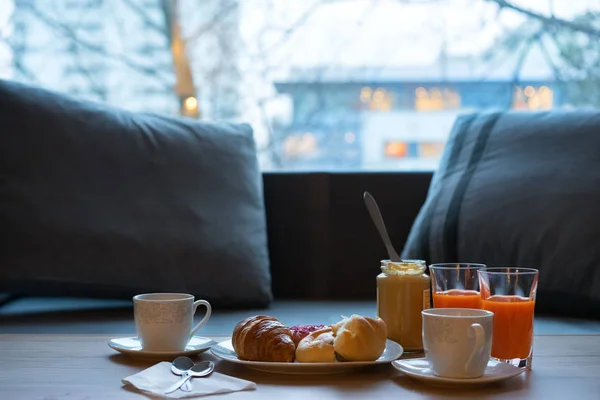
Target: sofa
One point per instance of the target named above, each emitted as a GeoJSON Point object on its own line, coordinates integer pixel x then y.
{"type": "Point", "coordinates": [321, 251]}
{"type": "Point", "coordinates": [351, 248]}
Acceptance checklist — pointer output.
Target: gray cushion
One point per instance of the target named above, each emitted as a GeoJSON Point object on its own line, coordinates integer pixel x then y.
{"type": "Point", "coordinates": [100, 201]}
{"type": "Point", "coordinates": [520, 189]}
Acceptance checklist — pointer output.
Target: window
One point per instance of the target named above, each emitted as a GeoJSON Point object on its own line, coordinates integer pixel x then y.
{"type": "Point", "coordinates": [396, 149]}
{"type": "Point", "coordinates": [533, 98]}
{"type": "Point", "coordinates": [431, 149]}
{"type": "Point", "coordinates": [376, 99]}
{"type": "Point", "coordinates": [436, 99]}
{"type": "Point", "coordinates": [300, 145]}
{"type": "Point", "coordinates": [326, 85]}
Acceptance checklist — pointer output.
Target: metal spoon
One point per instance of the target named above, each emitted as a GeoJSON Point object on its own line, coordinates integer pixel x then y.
{"type": "Point", "coordinates": [380, 225]}
{"type": "Point", "coordinates": [180, 366]}
{"type": "Point", "coordinates": [203, 368]}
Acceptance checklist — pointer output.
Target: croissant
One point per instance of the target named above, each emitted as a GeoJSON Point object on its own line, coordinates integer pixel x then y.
{"type": "Point", "coordinates": [263, 338]}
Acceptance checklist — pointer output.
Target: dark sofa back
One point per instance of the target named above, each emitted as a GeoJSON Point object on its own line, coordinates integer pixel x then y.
{"type": "Point", "coordinates": [97, 201]}
{"type": "Point", "coordinates": [520, 189]}
{"type": "Point", "coordinates": [322, 242]}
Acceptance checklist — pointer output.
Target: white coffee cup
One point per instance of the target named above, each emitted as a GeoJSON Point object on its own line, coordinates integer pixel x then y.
{"type": "Point", "coordinates": [457, 341]}
{"type": "Point", "coordinates": [164, 320]}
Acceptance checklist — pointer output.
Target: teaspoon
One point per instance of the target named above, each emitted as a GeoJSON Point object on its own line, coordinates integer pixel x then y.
{"type": "Point", "coordinates": [180, 366]}
{"type": "Point", "coordinates": [380, 225]}
{"type": "Point", "coordinates": [203, 368]}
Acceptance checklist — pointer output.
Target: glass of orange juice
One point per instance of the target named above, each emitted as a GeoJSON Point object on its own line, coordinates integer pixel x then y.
{"type": "Point", "coordinates": [455, 285]}
{"type": "Point", "coordinates": [510, 294]}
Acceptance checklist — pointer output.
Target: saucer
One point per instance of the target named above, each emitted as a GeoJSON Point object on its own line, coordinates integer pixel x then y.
{"type": "Point", "coordinates": [418, 368]}
{"type": "Point", "coordinates": [133, 348]}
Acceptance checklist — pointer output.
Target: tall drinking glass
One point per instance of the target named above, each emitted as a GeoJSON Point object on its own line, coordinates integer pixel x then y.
{"type": "Point", "coordinates": [510, 294]}
{"type": "Point", "coordinates": [455, 285]}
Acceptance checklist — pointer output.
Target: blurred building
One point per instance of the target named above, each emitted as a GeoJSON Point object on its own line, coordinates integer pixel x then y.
{"type": "Point", "coordinates": [400, 118]}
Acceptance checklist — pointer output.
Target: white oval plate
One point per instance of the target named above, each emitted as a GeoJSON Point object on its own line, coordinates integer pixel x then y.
{"type": "Point", "coordinates": [418, 368]}
{"type": "Point", "coordinates": [224, 350]}
{"type": "Point", "coordinates": [132, 347]}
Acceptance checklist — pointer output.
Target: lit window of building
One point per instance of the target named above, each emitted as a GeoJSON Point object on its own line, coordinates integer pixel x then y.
{"type": "Point", "coordinates": [365, 94]}
{"type": "Point", "coordinates": [431, 149]}
{"type": "Point", "coordinates": [378, 100]}
{"type": "Point", "coordinates": [396, 149]}
{"type": "Point", "coordinates": [531, 98]}
{"type": "Point", "coordinates": [436, 99]}
{"type": "Point", "coordinates": [300, 145]}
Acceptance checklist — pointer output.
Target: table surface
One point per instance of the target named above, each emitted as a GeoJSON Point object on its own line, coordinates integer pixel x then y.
{"type": "Point", "coordinates": [84, 367]}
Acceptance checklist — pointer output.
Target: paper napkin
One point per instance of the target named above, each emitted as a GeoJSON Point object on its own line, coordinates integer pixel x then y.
{"type": "Point", "coordinates": [156, 379]}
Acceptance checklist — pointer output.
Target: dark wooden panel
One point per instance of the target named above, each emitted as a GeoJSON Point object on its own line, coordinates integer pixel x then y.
{"type": "Point", "coordinates": [322, 242]}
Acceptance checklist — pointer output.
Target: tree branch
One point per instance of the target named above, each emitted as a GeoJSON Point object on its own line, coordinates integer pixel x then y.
{"type": "Point", "coordinates": [168, 9]}
{"type": "Point", "coordinates": [300, 22]}
{"type": "Point", "coordinates": [69, 33]}
{"type": "Point", "coordinates": [552, 20]}
{"type": "Point", "coordinates": [24, 70]}
{"type": "Point", "coordinates": [95, 88]}
{"type": "Point", "coordinates": [546, 54]}
{"type": "Point", "coordinates": [145, 17]}
{"type": "Point", "coordinates": [217, 18]}
{"type": "Point", "coordinates": [521, 57]}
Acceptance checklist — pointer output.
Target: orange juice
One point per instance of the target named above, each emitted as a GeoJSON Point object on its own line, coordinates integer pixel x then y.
{"type": "Point", "coordinates": [513, 325]}
{"type": "Point", "coordinates": [457, 298]}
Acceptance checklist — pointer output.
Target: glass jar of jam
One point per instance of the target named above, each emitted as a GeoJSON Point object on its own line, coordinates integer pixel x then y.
{"type": "Point", "coordinates": [403, 291]}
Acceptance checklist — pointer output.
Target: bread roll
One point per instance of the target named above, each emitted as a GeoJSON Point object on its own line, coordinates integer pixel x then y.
{"type": "Point", "coordinates": [360, 338]}
{"type": "Point", "coordinates": [263, 338]}
{"type": "Point", "coordinates": [316, 347]}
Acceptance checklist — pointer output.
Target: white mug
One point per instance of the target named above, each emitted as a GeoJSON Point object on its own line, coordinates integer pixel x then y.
{"type": "Point", "coordinates": [164, 320]}
{"type": "Point", "coordinates": [457, 341]}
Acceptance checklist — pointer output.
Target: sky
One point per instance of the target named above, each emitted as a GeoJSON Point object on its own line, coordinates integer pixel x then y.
{"type": "Point", "coordinates": [385, 32]}
{"type": "Point", "coordinates": [375, 33]}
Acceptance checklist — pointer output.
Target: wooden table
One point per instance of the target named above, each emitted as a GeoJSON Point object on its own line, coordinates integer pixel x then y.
{"type": "Point", "coordinates": [61, 367]}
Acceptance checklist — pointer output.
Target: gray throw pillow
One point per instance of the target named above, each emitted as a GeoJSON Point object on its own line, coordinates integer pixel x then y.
{"type": "Point", "coordinates": [104, 202]}
{"type": "Point", "coordinates": [520, 189]}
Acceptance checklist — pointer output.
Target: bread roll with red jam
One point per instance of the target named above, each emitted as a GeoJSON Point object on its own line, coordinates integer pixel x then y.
{"type": "Point", "coordinates": [299, 332]}
{"type": "Point", "coordinates": [317, 346]}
